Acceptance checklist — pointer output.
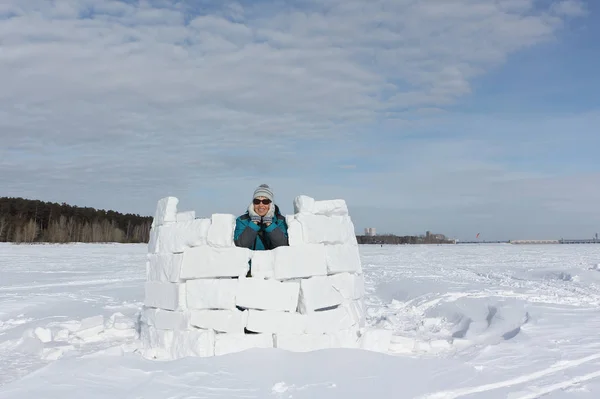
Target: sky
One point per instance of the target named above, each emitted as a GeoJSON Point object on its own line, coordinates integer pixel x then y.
{"type": "Point", "coordinates": [454, 116]}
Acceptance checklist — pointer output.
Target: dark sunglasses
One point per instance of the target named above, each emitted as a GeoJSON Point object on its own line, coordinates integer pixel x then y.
{"type": "Point", "coordinates": [256, 201]}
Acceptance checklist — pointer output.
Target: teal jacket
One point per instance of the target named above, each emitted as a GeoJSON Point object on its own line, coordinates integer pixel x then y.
{"type": "Point", "coordinates": [259, 237]}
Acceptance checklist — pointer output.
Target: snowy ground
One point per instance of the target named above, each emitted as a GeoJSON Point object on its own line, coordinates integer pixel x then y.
{"type": "Point", "coordinates": [470, 321]}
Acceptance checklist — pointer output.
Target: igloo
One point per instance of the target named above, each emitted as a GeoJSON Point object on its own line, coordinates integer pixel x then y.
{"type": "Point", "coordinates": [206, 297]}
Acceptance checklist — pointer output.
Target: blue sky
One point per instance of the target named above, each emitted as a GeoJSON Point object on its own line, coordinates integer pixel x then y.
{"type": "Point", "coordinates": [460, 117]}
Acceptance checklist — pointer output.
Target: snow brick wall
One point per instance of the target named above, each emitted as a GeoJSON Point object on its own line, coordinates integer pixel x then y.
{"type": "Point", "coordinates": [200, 302]}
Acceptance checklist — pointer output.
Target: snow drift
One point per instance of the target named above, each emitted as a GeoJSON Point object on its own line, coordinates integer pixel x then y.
{"type": "Point", "coordinates": [200, 300]}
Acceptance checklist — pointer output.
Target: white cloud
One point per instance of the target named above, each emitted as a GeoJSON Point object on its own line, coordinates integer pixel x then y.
{"type": "Point", "coordinates": [570, 8]}
{"type": "Point", "coordinates": [313, 66]}
{"type": "Point", "coordinates": [140, 99]}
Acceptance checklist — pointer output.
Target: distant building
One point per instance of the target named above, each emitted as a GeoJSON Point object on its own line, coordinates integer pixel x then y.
{"type": "Point", "coordinates": [370, 231]}
{"type": "Point", "coordinates": [434, 238]}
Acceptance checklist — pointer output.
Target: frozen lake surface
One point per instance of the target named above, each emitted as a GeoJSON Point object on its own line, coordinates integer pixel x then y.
{"type": "Point", "coordinates": [469, 321]}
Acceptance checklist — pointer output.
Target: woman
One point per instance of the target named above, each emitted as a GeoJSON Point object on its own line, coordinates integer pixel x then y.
{"type": "Point", "coordinates": [262, 227]}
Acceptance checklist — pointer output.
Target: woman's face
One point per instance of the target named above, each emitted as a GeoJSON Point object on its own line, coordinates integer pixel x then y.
{"type": "Point", "coordinates": [260, 208]}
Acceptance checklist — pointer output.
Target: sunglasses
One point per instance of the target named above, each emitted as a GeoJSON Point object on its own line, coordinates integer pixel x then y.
{"type": "Point", "coordinates": [256, 201]}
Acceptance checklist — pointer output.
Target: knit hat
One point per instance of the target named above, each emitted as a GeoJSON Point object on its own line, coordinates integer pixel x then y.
{"type": "Point", "coordinates": [263, 191]}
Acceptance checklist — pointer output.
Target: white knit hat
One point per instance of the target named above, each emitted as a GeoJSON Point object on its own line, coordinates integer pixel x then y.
{"type": "Point", "coordinates": [263, 191]}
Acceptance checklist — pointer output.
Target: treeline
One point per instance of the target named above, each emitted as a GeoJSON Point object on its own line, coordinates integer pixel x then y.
{"type": "Point", "coordinates": [397, 240]}
{"type": "Point", "coordinates": [29, 221]}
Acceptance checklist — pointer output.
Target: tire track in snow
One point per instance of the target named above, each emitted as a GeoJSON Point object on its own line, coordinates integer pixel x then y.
{"type": "Point", "coordinates": [561, 385]}
{"type": "Point", "coordinates": [559, 366]}
{"type": "Point", "coordinates": [70, 284]}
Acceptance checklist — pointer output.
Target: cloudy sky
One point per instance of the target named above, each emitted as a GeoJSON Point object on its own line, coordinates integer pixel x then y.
{"type": "Point", "coordinates": [455, 116]}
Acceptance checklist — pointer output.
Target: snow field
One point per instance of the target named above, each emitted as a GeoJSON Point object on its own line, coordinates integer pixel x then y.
{"type": "Point", "coordinates": [437, 304]}
{"type": "Point", "coordinates": [301, 297]}
{"type": "Point", "coordinates": [422, 294]}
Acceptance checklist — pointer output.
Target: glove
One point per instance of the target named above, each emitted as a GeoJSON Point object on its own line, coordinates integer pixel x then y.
{"type": "Point", "coordinates": [268, 218]}
{"type": "Point", "coordinates": [253, 215]}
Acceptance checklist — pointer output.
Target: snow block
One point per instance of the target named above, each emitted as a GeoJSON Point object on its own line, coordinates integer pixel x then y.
{"type": "Point", "coordinates": [302, 342]}
{"type": "Point", "coordinates": [356, 309]}
{"type": "Point", "coordinates": [156, 343]}
{"type": "Point", "coordinates": [166, 211]}
{"type": "Point", "coordinates": [153, 338]}
{"type": "Point", "coordinates": [342, 258]}
{"type": "Point", "coordinates": [261, 294]}
{"type": "Point", "coordinates": [226, 321]}
{"type": "Point", "coordinates": [90, 327]}
{"type": "Point", "coordinates": [294, 229]}
{"type": "Point", "coordinates": [301, 261]}
{"type": "Point", "coordinates": [262, 264]}
{"type": "Point", "coordinates": [118, 321]}
{"type": "Point", "coordinates": [232, 343]}
{"type": "Point", "coordinates": [153, 241]}
{"type": "Point", "coordinates": [187, 216]}
{"type": "Point", "coordinates": [164, 268]}
{"type": "Point", "coordinates": [182, 297]}
{"type": "Point", "coordinates": [211, 293]}
{"type": "Point", "coordinates": [350, 286]}
{"type": "Point", "coordinates": [330, 321]}
{"type": "Point", "coordinates": [289, 219]}
{"type": "Point", "coordinates": [91, 322]}
{"type": "Point", "coordinates": [272, 321]}
{"type": "Point", "coordinates": [317, 293]}
{"type": "Point", "coordinates": [164, 296]}
{"type": "Point", "coordinates": [376, 340]}
{"type": "Point", "coordinates": [43, 334]}
{"type": "Point", "coordinates": [335, 207]}
{"type": "Point", "coordinates": [307, 205]}
{"type": "Point", "coordinates": [349, 339]}
{"type": "Point", "coordinates": [304, 204]}
{"type": "Point", "coordinates": [320, 229]}
{"type": "Point", "coordinates": [220, 234]}
{"type": "Point", "coordinates": [207, 262]}
{"type": "Point", "coordinates": [62, 335]}
{"type": "Point", "coordinates": [198, 343]}
{"type": "Point", "coordinates": [166, 319]}
{"type": "Point", "coordinates": [176, 237]}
